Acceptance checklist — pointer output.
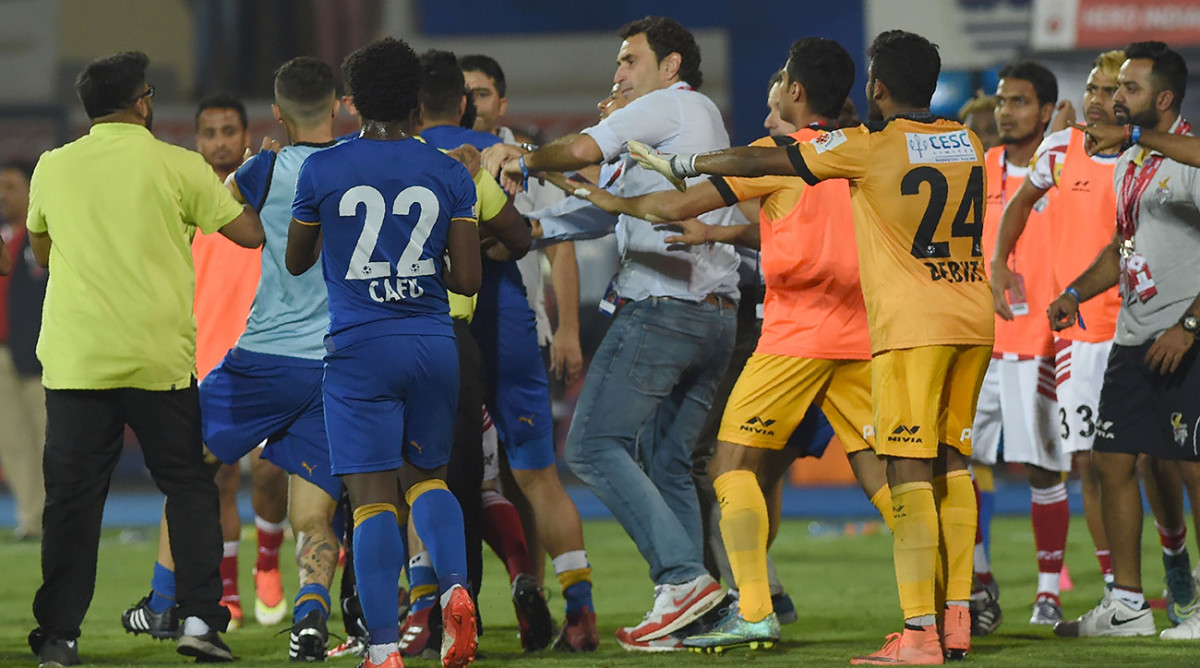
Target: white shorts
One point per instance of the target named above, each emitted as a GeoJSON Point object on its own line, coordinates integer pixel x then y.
{"type": "Point", "coordinates": [1079, 373]}
{"type": "Point", "coordinates": [1018, 400]}
{"type": "Point", "coordinates": [491, 449]}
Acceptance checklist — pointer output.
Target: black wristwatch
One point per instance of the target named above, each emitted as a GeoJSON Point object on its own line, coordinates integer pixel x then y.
{"type": "Point", "coordinates": [1190, 323]}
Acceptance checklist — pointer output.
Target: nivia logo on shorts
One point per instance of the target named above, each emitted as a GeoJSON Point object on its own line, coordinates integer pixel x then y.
{"type": "Point", "coordinates": [904, 434]}
{"type": "Point", "coordinates": [939, 148]}
{"type": "Point", "coordinates": [1104, 429]}
{"type": "Point", "coordinates": [757, 425]}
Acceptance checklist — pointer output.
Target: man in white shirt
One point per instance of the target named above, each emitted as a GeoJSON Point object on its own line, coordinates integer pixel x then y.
{"type": "Point", "coordinates": [655, 373]}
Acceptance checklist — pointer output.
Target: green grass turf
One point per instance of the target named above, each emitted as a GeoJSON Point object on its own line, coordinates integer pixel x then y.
{"type": "Point", "coordinates": [843, 587]}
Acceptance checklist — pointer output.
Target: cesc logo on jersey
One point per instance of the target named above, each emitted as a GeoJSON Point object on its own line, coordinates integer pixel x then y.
{"type": "Point", "coordinates": [940, 148]}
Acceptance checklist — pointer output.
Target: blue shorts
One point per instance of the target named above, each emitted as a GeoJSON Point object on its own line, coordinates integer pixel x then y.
{"type": "Point", "coordinates": [516, 389]}
{"type": "Point", "coordinates": [254, 397]}
{"type": "Point", "coordinates": [812, 435]}
{"type": "Point", "coordinates": [389, 400]}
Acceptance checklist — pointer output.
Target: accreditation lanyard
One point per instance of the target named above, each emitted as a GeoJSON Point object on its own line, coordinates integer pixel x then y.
{"type": "Point", "coordinates": [1133, 186]}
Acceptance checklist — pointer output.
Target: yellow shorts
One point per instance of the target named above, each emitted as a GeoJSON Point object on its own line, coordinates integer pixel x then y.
{"type": "Point", "coordinates": [925, 396]}
{"type": "Point", "coordinates": [773, 393]}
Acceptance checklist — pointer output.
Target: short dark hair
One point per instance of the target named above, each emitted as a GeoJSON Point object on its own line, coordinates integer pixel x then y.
{"type": "Point", "coordinates": [25, 167]}
{"type": "Point", "coordinates": [1045, 85]}
{"type": "Point", "coordinates": [825, 70]}
{"type": "Point", "coordinates": [384, 77]}
{"type": "Point", "coordinates": [907, 64]}
{"type": "Point", "coordinates": [776, 77]}
{"type": "Point", "coordinates": [665, 37]}
{"type": "Point", "coordinates": [222, 101]}
{"type": "Point", "coordinates": [304, 88]}
{"type": "Point", "coordinates": [110, 84]}
{"type": "Point", "coordinates": [442, 83]}
{"type": "Point", "coordinates": [477, 62]}
{"type": "Point", "coordinates": [1169, 70]}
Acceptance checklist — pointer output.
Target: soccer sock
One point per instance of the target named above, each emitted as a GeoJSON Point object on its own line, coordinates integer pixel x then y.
{"type": "Point", "coordinates": [229, 573]}
{"type": "Point", "coordinates": [376, 569]}
{"type": "Point", "coordinates": [1133, 598]}
{"type": "Point", "coordinates": [957, 515]}
{"type": "Point", "coordinates": [915, 547]}
{"type": "Point", "coordinates": [422, 582]}
{"type": "Point", "coordinates": [1051, 515]}
{"type": "Point", "coordinates": [162, 589]}
{"type": "Point", "coordinates": [438, 519]}
{"type": "Point", "coordinates": [379, 652]}
{"type": "Point", "coordinates": [987, 502]}
{"type": "Point", "coordinates": [1174, 541]}
{"type": "Point", "coordinates": [882, 500]}
{"type": "Point", "coordinates": [312, 596]}
{"type": "Point", "coordinates": [1105, 559]}
{"type": "Point", "coordinates": [744, 530]}
{"type": "Point", "coordinates": [270, 537]}
{"type": "Point", "coordinates": [575, 577]}
{"type": "Point", "coordinates": [503, 532]}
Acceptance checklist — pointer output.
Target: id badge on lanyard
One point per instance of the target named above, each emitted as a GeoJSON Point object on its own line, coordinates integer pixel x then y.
{"type": "Point", "coordinates": [1136, 278]}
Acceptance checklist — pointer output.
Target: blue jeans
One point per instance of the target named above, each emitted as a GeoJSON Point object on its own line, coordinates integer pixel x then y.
{"type": "Point", "coordinates": [647, 392]}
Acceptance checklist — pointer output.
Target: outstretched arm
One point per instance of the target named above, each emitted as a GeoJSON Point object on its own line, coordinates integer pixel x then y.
{"type": "Point", "coordinates": [658, 207]}
{"type": "Point", "coordinates": [738, 161]}
{"type": "Point", "coordinates": [1107, 138]}
{"type": "Point", "coordinates": [1102, 274]}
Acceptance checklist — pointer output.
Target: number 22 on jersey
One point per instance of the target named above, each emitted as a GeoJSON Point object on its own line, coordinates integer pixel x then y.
{"type": "Point", "coordinates": [410, 264]}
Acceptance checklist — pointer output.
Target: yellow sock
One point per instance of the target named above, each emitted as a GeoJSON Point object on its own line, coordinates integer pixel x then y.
{"type": "Point", "coordinates": [915, 546]}
{"type": "Point", "coordinates": [983, 477]}
{"type": "Point", "coordinates": [574, 576]}
{"type": "Point", "coordinates": [882, 500]}
{"type": "Point", "coordinates": [957, 518]}
{"type": "Point", "coordinates": [744, 530]}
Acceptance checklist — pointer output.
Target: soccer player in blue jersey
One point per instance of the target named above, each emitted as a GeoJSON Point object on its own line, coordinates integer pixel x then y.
{"type": "Point", "coordinates": [517, 391]}
{"type": "Point", "coordinates": [382, 212]}
{"type": "Point", "coordinates": [268, 387]}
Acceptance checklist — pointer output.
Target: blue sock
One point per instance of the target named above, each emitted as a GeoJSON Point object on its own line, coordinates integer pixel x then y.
{"type": "Point", "coordinates": [579, 598]}
{"type": "Point", "coordinates": [162, 586]}
{"type": "Point", "coordinates": [438, 520]}
{"type": "Point", "coordinates": [311, 597]}
{"type": "Point", "coordinates": [422, 582]}
{"type": "Point", "coordinates": [376, 569]}
{"type": "Point", "coordinates": [987, 506]}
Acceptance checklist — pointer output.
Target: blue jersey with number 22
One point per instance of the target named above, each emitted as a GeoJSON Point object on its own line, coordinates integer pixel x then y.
{"type": "Point", "coordinates": [384, 208]}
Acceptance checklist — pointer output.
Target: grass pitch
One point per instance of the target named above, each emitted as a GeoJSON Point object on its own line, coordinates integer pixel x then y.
{"type": "Point", "coordinates": [843, 587]}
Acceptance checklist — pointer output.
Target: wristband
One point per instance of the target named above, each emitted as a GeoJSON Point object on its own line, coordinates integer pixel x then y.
{"type": "Point", "coordinates": [524, 173]}
{"type": "Point", "coordinates": [1075, 293]}
{"type": "Point", "coordinates": [684, 165]}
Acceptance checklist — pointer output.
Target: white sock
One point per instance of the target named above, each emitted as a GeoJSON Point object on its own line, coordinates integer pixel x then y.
{"type": "Point", "coordinates": [270, 527]}
{"type": "Point", "coordinates": [1048, 583]}
{"type": "Point", "coordinates": [445, 598]}
{"type": "Point", "coordinates": [981, 560]}
{"type": "Point", "coordinates": [962, 604]}
{"type": "Point", "coordinates": [379, 653]}
{"type": "Point", "coordinates": [1108, 578]}
{"type": "Point", "coordinates": [194, 626]}
{"type": "Point", "coordinates": [569, 561]}
{"type": "Point", "coordinates": [1133, 599]}
{"type": "Point", "coordinates": [230, 548]}
{"type": "Point", "coordinates": [922, 621]}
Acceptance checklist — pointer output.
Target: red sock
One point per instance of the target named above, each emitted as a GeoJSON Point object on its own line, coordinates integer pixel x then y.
{"type": "Point", "coordinates": [503, 532]}
{"type": "Point", "coordinates": [229, 573]}
{"type": "Point", "coordinates": [270, 537]}
{"type": "Point", "coordinates": [1173, 540]}
{"type": "Point", "coordinates": [1105, 559]}
{"type": "Point", "coordinates": [1051, 515]}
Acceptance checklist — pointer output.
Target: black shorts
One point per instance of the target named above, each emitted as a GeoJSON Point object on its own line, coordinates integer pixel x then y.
{"type": "Point", "coordinates": [1145, 412]}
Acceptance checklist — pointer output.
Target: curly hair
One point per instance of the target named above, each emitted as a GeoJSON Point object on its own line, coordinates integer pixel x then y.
{"type": "Point", "coordinates": [665, 37]}
{"type": "Point", "coordinates": [110, 84]}
{"type": "Point", "coordinates": [384, 77]}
